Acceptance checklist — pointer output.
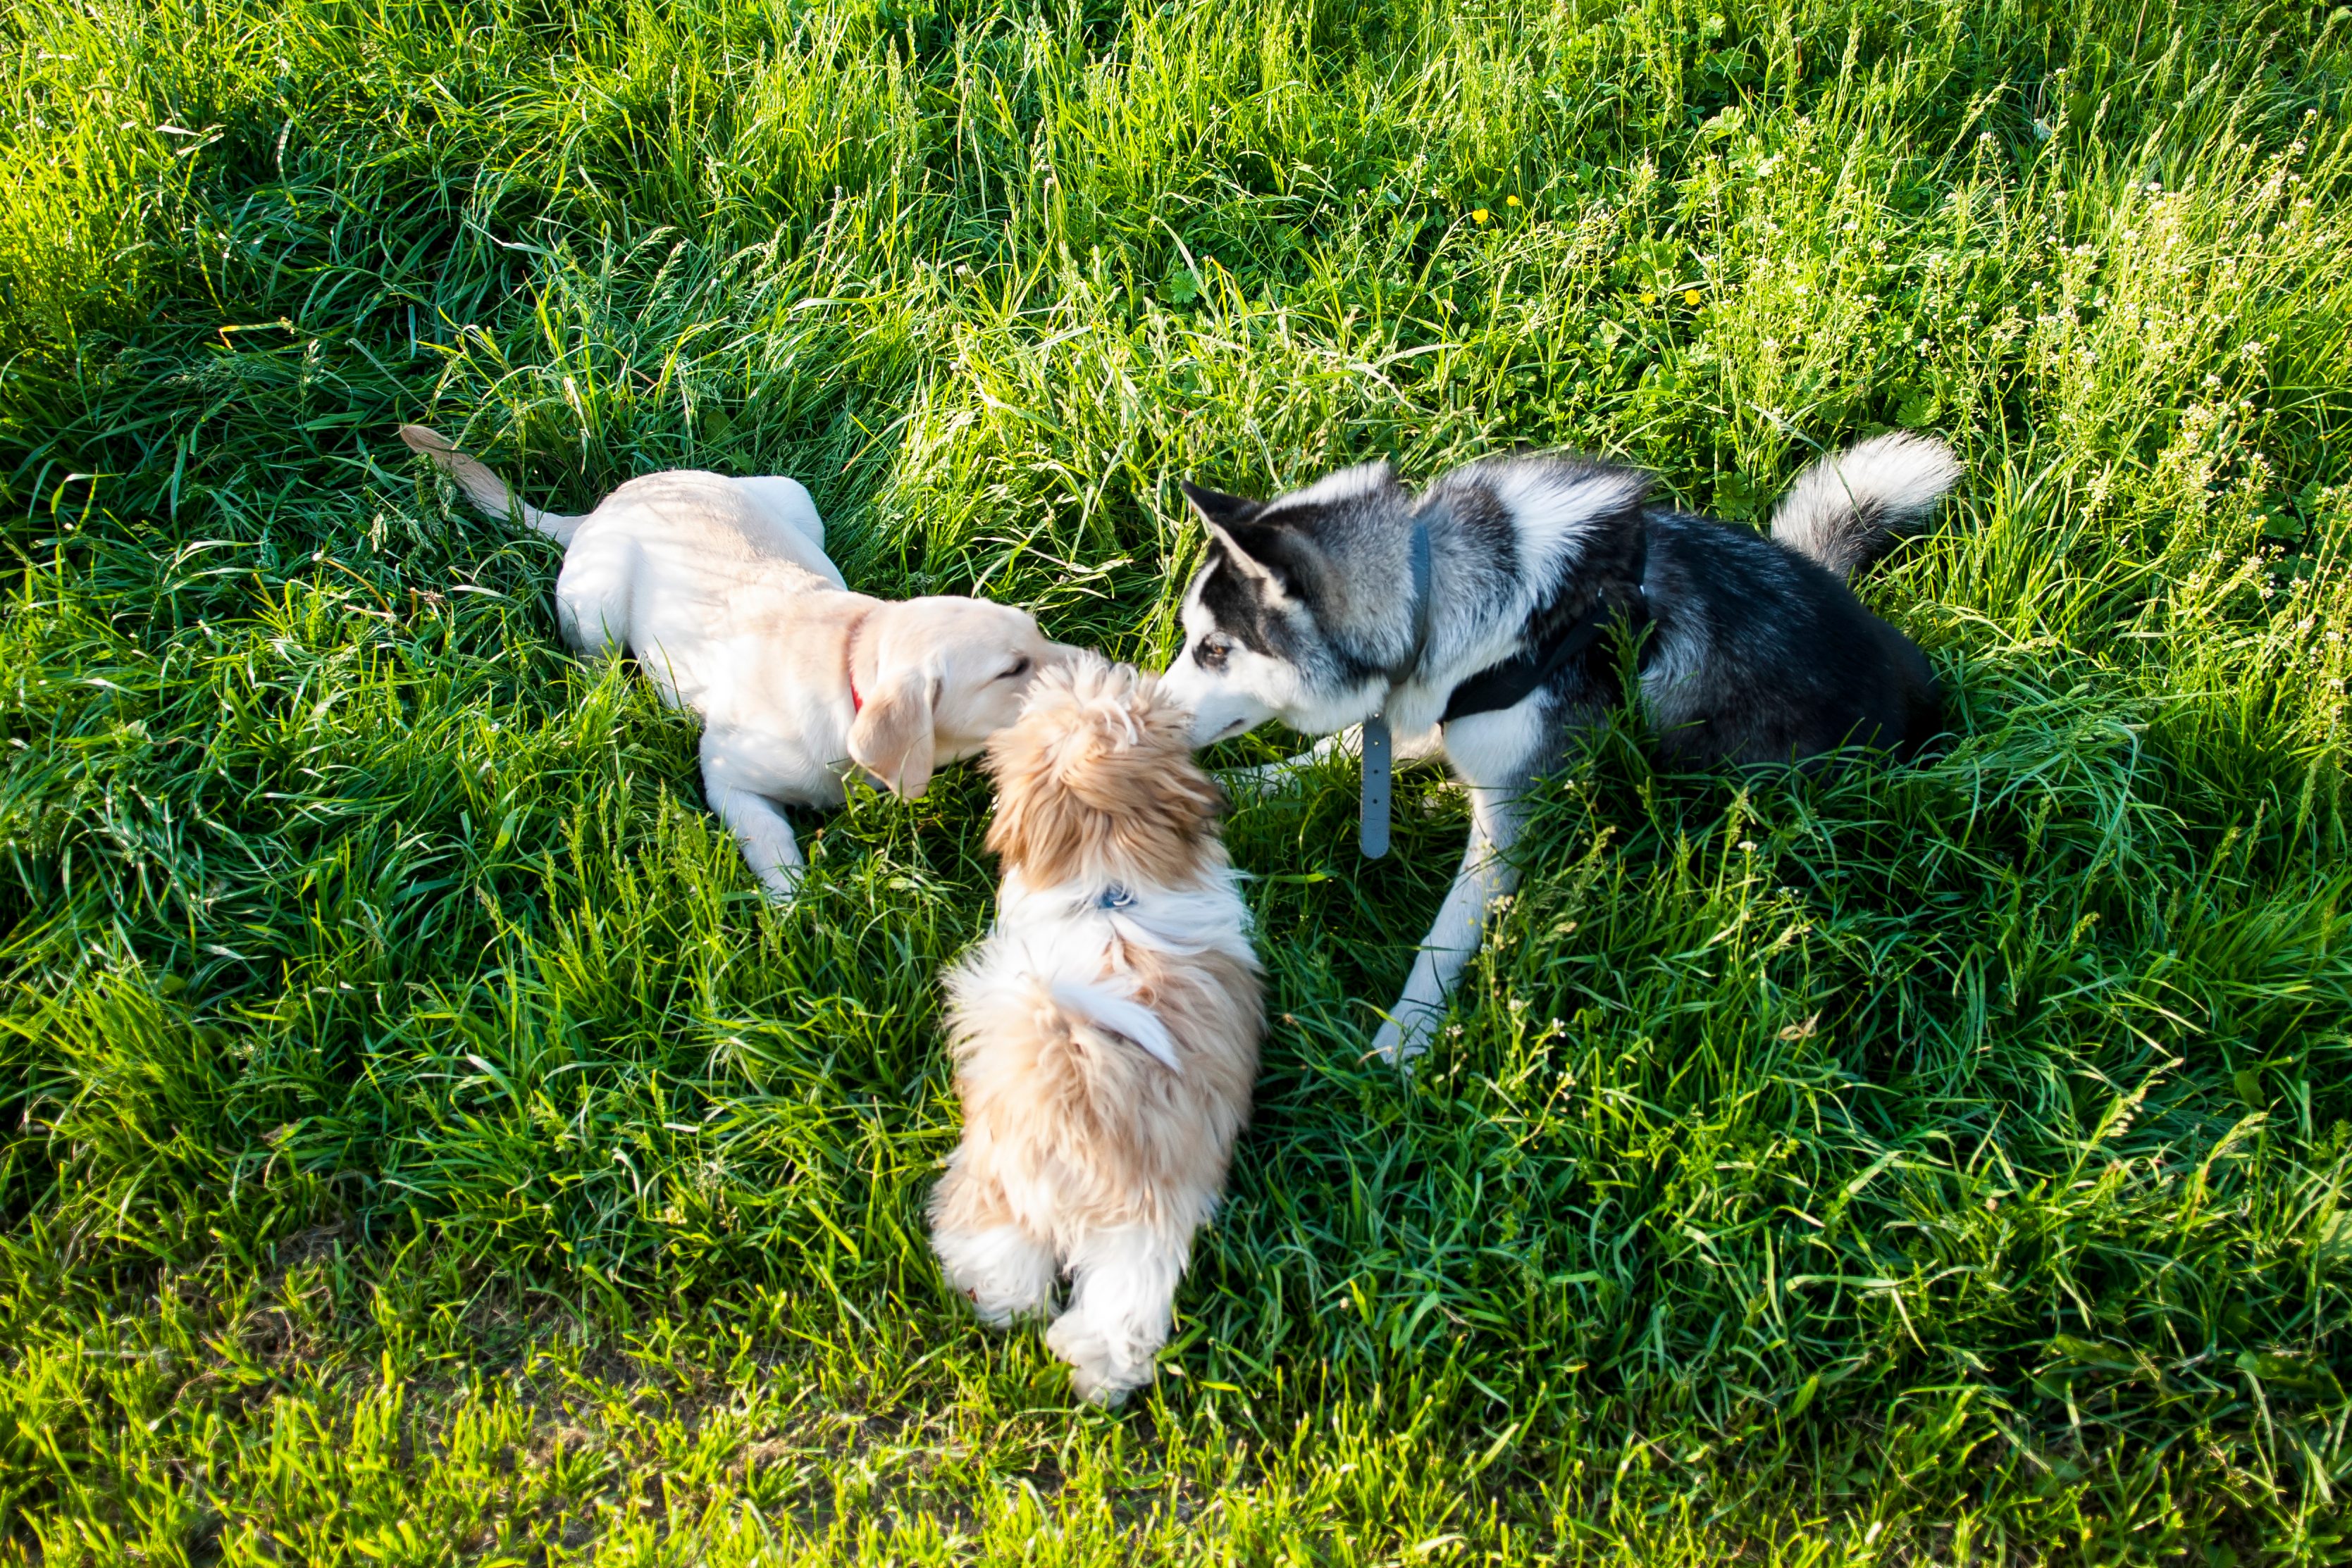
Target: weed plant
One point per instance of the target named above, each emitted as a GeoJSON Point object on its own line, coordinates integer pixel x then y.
{"type": "Point", "coordinates": [422, 1145]}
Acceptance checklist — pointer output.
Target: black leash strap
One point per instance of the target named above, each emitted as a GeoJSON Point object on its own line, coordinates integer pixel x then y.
{"type": "Point", "coordinates": [1379, 763]}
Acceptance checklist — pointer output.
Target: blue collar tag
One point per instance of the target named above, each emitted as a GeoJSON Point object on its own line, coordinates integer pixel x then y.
{"type": "Point", "coordinates": [1372, 830]}
{"type": "Point", "coordinates": [1373, 812]}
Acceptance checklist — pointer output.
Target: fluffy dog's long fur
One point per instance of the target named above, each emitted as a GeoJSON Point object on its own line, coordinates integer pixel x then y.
{"type": "Point", "coordinates": [1105, 1032]}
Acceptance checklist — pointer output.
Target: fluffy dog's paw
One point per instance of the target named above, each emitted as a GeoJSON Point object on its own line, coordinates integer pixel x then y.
{"type": "Point", "coordinates": [1099, 1375]}
{"type": "Point", "coordinates": [1103, 1386]}
{"type": "Point", "coordinates": [1002, 1312]}
{"type": "Point", "coordinates": [1001, 1271]}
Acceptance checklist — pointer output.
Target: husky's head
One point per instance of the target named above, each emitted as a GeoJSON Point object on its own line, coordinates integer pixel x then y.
{"type": "Point", "coordinates": [1301, 608]}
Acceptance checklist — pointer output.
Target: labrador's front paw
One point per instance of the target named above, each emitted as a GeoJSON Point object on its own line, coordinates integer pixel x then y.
{"type": "Point", "coordinates": [1406, 1034]}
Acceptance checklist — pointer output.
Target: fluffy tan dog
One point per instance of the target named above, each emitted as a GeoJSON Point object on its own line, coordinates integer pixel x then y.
{"type": "Point", "coordinates": [722, 589]}
{"type": "Point", "coordinates": [1105, 1032]}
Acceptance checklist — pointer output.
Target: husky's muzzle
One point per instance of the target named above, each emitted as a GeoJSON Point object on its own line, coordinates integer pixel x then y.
{"type": "Point", "coordinates": [1220, 710]}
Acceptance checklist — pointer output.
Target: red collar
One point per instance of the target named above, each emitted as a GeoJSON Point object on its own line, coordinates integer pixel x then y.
{"type": "Point", "coordinates": [849, 665]}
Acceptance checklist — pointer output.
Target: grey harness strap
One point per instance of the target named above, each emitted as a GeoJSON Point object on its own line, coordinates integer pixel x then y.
{"type": "Point", "coordinates": [1379, 766]}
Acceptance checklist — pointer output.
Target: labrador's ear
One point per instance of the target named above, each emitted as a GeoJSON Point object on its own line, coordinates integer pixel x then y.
{"type": "Point", "coordinates": [891, 737]}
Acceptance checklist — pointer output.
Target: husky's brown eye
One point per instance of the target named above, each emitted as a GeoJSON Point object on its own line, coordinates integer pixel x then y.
{"type": "Point", "coordinates": [1210, 652]}
{"type": "Point", "coordinates": [1020, 668]}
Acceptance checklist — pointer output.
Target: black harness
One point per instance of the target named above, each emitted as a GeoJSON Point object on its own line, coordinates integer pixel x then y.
{"type": "Point", "coordinates": [1490, 690]}
{"type": "Point", "coordinates": [1507, 684]}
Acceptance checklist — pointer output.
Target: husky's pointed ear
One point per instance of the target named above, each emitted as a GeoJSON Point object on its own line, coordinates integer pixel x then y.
{"type": "Point", "coordinates": [1231, 522]}
{"type": "Point", "coordinates": [1215, 507]}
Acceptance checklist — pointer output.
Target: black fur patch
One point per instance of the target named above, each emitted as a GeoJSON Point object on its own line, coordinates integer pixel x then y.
{"type": "Point", "coordinates": [1236, 600]}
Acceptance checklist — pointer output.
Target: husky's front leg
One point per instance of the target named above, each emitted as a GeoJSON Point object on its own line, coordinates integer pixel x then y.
{"type": "Point", "coordinates": [1485, 875]}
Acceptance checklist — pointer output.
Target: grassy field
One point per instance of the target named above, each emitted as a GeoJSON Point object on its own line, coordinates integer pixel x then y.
{"type": "Point", "coordinates": [423, 1146]}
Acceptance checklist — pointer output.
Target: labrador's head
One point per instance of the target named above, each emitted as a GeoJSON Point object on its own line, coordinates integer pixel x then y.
{"type": "Point", "coordinates": [936, 678]}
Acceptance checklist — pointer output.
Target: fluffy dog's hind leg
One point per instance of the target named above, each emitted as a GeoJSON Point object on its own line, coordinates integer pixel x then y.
{"type": "Point", "coordinates": [1122, 1301]}
{"type": "Point", "coordinates": [998, 1265]}
{"type": "Point", "coordinates": [1002, 1270]}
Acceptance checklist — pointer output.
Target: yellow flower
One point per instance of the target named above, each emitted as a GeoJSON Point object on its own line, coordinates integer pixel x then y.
{"type": "Point", "coordinates": [1649, 299]}
{"type": "Point", "coordinates": [1690, 296]}
{"type": "Point", "coordinates": [1479, 214]}
{"type": "Point", "coordinates": [1510, 201]}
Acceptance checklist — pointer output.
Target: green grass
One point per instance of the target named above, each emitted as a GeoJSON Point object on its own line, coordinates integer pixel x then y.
{"type": "Point", "coordinates": [422, 1146]}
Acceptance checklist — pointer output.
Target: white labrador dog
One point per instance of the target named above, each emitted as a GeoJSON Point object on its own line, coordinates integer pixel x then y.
{"type": "Point", "coordinates": [722, 589]}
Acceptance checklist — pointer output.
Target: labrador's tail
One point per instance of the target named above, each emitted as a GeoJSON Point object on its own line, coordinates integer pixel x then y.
{"type": "Point", "coordinates": [482, 488]}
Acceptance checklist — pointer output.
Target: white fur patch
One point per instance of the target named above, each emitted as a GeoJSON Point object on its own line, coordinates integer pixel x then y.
{"type": "Point", "coordinates": [1123, 1289]}
{"type": "Point", "coordinates": [1063, 935]}
{"type": "Point", "coordinates": [1004, 1272]}
{"type": "Point", "coordinates": [1553, 509]}
{"type": "Point", "coordinates": [1839, 504]}
{"type": "Point", "coordinates": [1121, 1015]}
{"type": "Point", "coordinates": [1494, 750]}
{"type": "Point", "coordinates": [1346, 484]}
{"type": "Point", "coordinates": [1064, 922]}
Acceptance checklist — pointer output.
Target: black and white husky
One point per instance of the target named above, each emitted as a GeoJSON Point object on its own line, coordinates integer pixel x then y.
{"type": "Point", "coordinates": [1468, 618]}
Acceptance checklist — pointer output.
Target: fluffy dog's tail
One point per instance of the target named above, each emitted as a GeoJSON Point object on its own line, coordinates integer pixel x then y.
{"type": "Point", "coordinates": [1113, 1014]}
{"type": "Point", "coordinates": [482, 488]}
{"type": "Point", "coordinates": [1850, 507]}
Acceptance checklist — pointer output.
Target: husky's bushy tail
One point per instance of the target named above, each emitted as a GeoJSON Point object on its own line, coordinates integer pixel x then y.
{"type": "Point", "coordinates": [1852, 507]}
{"type": "Point", "coordinates": [482, 488]}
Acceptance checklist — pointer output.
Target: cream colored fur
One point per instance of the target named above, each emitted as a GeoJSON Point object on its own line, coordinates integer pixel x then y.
{"type": "Point", "coordinates": [722, 591]}
{"type": "Point", "coordinates": [1105, 1032]}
